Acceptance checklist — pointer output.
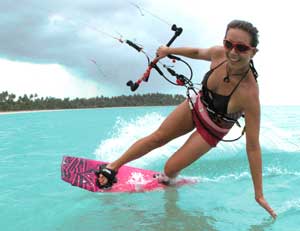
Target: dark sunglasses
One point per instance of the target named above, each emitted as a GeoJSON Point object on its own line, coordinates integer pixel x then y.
{"type": "Point", "coordinates": [237, 46]}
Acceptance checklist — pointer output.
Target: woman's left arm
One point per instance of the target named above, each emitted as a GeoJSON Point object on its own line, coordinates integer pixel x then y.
{"type": "Point", "coordinates": [252, 119]}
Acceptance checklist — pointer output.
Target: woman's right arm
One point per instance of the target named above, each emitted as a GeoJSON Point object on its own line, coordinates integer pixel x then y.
{"type": "Point", "coordinates": [190, 52]}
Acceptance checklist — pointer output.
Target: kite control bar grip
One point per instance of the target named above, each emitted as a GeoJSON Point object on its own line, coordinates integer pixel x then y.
{"type": "Point", "coordinates": [174, 57]}
{"type": "Point", "coordinates": [178, 31]}
{"type": "Point", "coordinates": [134, 85]}
{"type": "Point", "coordinates": [134, 45]}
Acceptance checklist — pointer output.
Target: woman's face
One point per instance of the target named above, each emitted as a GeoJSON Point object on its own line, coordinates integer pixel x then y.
{"type": "Point", "coordinates": [238, 49]}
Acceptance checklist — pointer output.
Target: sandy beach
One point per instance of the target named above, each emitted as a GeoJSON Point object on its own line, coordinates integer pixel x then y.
{"type": "Point", "coordinates": [29, 111]}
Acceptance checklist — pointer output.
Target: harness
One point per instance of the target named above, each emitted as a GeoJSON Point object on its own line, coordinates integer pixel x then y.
{"type": "Point", "coordinates": [211, 112]}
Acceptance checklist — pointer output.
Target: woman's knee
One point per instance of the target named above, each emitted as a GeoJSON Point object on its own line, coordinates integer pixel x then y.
{"type": "Point", "coordinates": [159, 138]}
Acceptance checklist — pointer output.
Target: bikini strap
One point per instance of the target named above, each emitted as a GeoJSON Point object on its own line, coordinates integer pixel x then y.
{"type": "Point", "coordinates": [204, 80]}
{"type": "Point", "coordinates": [244, 76]}
{"type": "Point", "coordinates": [218, 65]}
{"type": "Point", "coordinates": [253, 69]}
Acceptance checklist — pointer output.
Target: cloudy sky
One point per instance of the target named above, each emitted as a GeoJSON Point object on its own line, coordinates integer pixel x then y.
{"type": "Point", "coordinates": [64, 48]}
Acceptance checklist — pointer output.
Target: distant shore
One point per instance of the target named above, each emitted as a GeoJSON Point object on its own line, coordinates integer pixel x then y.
{"type": "Point", "coordinates": [68, 109]}
{"type": "Point", "coordinates": [10, 104]}
{"type": "Point", "coordinates": [28, 111]}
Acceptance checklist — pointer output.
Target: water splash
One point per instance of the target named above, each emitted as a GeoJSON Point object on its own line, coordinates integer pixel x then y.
{"type": "Point", "coordinates": [125, 133]}
{"type": "Point", "coordinates": [289, 206]}
{"type": "Point", "coordinates": [229, 177]}
{"type": "Point", "coordinates": [280, 130]}
{"type": "Point", "coordinates": [279, 171]}
{"type": "Point", "coordinates": [271, 171]}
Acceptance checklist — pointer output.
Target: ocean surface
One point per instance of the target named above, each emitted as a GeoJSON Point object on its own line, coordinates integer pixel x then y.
{"type": "Point", "coordinates": [33, 197]}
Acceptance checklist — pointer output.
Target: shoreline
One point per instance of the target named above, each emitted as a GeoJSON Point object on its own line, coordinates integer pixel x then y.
{"type": "Point", "coordinates": [53, 110]}
{"type": "Point", "coordinates": [29, 111]}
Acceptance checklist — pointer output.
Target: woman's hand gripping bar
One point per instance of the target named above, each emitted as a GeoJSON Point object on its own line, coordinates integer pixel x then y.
{"type": "Point", "coordinates": [134, 85]}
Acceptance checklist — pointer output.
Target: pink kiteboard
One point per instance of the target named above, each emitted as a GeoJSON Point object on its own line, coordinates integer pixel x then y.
{"type": "Point", "coordinates": [81, 172]}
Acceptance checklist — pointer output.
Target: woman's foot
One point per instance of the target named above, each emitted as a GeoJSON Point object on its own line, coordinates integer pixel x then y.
{"type": "Point", "coordinates": [164, 179]}
{"type": "Point", "coordinates": [106, 176]}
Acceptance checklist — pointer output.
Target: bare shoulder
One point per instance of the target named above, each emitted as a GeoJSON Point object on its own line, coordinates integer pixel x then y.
{"type": "Point", "coordinates": [217, 52]}
{"type": "Point", "coordinates": [217, 55]}
{"type": "Point", "coordinates": [209, 54]}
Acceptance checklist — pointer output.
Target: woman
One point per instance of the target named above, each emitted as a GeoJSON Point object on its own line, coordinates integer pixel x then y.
{"type": "Point", "coordinates": [229, 90]}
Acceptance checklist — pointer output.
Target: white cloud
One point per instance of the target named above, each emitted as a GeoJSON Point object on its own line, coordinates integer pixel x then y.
{"type": "Point", "coordinates": [45, 80]}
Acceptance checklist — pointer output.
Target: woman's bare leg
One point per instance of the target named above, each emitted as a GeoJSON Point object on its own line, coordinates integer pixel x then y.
{"type": "Point", "coordinates": [178, 123]}
{"type": "Point", "coordinates": [193, 149]}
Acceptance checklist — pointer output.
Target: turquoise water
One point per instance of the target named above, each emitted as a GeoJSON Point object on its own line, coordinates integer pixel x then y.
{"type": "Point", "coordinates": [34, 198]}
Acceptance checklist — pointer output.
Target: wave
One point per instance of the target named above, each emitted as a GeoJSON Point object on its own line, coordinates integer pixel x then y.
{"type": "Point", "coordinates": [276, 138]}
{"type": "Point", "coordinates": [279, 171]}
{"type": "Point", "coordinates": [223, 178]}
{"type": "Point", "coordinates": [289, 206]}
{"type": "Point", "coordinates": [126, 132]}
{"type": "Point", "coordinates": [271, 171]}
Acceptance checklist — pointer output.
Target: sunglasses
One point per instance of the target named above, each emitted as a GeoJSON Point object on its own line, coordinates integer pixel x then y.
{"type": "Point", "coordinates": [237, 46]}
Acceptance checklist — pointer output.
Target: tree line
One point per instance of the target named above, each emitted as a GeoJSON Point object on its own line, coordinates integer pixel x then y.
{"type": "Point", "coordinates": [10, 102]}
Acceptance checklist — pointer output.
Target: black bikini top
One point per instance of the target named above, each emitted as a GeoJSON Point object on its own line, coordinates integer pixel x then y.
{"type": "Point", "coordinates": [215, 102]}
